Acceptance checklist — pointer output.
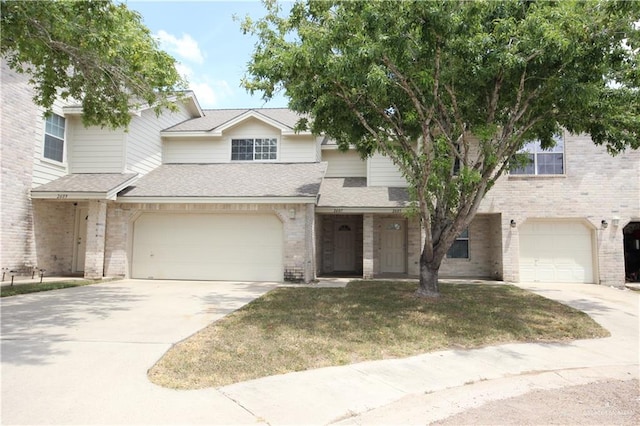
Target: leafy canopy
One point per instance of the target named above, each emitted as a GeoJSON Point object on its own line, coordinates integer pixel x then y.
{"type": "Point", "coordinates": [451, 90]}
{"type": "Point", "coordinates": [95, 52]}
{"type": "Point", "coordinates": [473, 60]}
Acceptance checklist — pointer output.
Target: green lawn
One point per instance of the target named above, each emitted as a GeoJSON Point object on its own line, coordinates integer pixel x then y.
{"type": "Point", "coordinates": [8, 290]}
{"type": "Point", "coordinates": [293, 329]}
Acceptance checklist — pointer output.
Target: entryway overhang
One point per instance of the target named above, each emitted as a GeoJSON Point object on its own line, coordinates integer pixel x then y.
{"type": "Point", "coordinates": [85, 186]}
{"type": "Point", "coordinates": [352, 195]}
{"type": "Point", "coordinates": [361, 210]}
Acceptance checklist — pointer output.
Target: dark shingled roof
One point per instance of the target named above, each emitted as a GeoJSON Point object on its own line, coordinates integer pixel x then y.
{"type": "Point", "coordinates": [354, 192]}
{"type": "Point", "coordinates": [231, 180]}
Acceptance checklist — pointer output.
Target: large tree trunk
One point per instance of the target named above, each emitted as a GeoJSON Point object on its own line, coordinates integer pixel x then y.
{"type": "Point", "coordinates": [429, 278]}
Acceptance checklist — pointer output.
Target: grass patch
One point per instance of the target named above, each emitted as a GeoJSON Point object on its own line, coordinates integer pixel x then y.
{"type": "Point", "coordinates": [293, 329]}
{"type": "Point", "coordinates": [8, 290]}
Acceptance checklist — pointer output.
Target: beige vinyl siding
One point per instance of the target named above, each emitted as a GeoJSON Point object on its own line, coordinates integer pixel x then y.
{"type": "Point", "coordinates": [318, 148]}
{"type": "Point", "coordinates": [44, 169]}
{"type": "Point", "coordinates": [344, 164]}
{"type": "Point", "coordinates": [96, 150]}
{"type": "Point", "coordinates": [251, 128]}
{"type": "Point", "coordinates": [213, 150]}
{"type": "Point", "coordinates": [297, 149]}
{"type": "Point", "coordinates": [144, 145]}
{"type": "Point", "coordinates": [382, 172]}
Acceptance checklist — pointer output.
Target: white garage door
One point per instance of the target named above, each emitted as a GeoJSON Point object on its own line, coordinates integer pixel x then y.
{"type": "Point", "coordinates": [560, 251]}
{"type": "Point", "coordinates": [208, 247]}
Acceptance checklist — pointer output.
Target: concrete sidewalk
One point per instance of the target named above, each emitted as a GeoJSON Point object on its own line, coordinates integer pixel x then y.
{"type": "Point", "coordinates": [80, 356]}
{"type": "Point", "coordinates": [431, 387]}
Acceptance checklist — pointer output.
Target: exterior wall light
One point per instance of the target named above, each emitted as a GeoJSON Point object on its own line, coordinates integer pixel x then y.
{"type": "Point", "coordinates": [604, 224]}
{"type": "Point", "coordinates": [615, 222]}
{"type": "Point", "coordinates": [513, 223]}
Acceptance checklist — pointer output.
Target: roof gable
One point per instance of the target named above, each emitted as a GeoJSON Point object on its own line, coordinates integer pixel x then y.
{"type": "Point", "coordinates": [214, 122]}
{"type": "Point", "coordinates": [187, 98]}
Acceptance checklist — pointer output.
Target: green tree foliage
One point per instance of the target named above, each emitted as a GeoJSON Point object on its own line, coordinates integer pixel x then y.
{"type": "Point", "coordinates": [450, 90]}
{"type": "Point", "coordinates": [94, 52]}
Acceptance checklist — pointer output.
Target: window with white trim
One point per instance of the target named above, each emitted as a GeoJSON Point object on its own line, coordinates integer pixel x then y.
{"type": "Point", "coordinates": [54, 138]}
{"type": "Point", "coordinates": [259, 149]}
{"type": "Point", "coordinates": [541, 161]}
{"type": "Point", "coordinates": [460, 247]}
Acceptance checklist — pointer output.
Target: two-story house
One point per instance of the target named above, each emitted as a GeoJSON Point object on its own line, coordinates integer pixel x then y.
{"type": "Point", "coordinates": [240, 195]}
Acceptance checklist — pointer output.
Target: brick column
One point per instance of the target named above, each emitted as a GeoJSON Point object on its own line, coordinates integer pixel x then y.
{"type": "Point", "coordinates": [511, 249]}
{"type": "Point", "coordinates": [96, 227]}
{"type": "Point", "coordinates": [310, 238]}
{"type": "Point", "coordinates": [367, 246]}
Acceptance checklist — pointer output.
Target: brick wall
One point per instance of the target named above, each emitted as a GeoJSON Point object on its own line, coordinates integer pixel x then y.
{"type": "Point", "coordinates": [484, 252]}
{"type": "Point", "coordinates": [596, 186]}
{"type": "Point", "coordinates": [54, 235]}
{"type": "Point", "coordinates": [19, 122]}
{"type": "Point", "coordinates": [96, 237]}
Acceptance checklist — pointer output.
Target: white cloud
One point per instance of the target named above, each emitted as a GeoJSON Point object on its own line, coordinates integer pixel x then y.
{"type": "Point", "coordinates": [185, 47]}
{"type": "Point", "coordinates": [184, 70]}
{"type": "Point", "coordinates": [211, 94]}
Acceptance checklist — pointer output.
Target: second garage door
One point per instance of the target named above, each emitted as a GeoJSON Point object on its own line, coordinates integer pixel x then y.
{"type": "Point", "coordinates": [208, 247]}
{"type": "Point", "coordinates": [556, 251]}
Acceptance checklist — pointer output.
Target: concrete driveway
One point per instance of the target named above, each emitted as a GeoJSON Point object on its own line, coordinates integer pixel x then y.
{"type": "Point", "coordinates": [80, 356]}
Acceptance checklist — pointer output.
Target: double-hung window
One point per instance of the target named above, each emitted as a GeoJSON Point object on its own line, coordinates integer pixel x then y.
{"type": "Point", "coordinates": [540, 161]}
{"type": "Point", "coordinates": [460, 247]}
{"type": "Point", "coordinates": [54, 138]}
{"type": "Point", "coordinates": [258, 149]}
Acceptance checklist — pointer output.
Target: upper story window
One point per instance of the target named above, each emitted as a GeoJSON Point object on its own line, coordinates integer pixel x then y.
{"type": "Point", "coordinates": [460, 247]}
{"type": "Point", "coordinates": [54, 137]}
{"type": "Point", "coordinates": [548, 161]}
{"type": "Point", "coordinates": [254, 149]}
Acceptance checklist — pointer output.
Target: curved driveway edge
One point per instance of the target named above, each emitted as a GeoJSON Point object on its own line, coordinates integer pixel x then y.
{"type": "Point", "coordinates": [386, 392]}
{"type": "Point", "coordinates": [81, 356]}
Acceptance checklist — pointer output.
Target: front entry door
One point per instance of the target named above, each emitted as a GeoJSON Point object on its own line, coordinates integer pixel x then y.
{"type": "Point", "coordinates": [392, 244]}
{"type": "Point", "coordinates": [82, 214]}
{"type": "Point", "coordinates": [344, 257]}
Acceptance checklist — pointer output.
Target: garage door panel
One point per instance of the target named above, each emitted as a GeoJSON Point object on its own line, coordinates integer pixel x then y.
{"type": "Point", "coordinates": [560, 251]}
{"type": "Point", "coordinates": [208, 247]}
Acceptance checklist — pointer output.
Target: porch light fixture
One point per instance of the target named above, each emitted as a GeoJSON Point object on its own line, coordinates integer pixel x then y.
{"type": "Point", "coordinates": [604, 224]}
{"type": "Point", "coordinates": [616, 221]}
{"type": "Point", "coordinates": [513, 223]}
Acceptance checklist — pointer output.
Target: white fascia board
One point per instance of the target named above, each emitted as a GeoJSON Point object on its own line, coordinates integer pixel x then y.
{"type": "Point", "coordinates": [75, 110]}
{"type": "Point", "coordinates": [285, 130]}
{"type": "Point", "coordinates": [70, 196]}
{"type": "Point", "coordinates": [188, 98]}
{"type": "Point", "coordinates": [334, 147]}
{"type": "Point", "coordinates": [217, 133]}
{"type": "Point", "coordinates": [292, 132]}
{"type": "Point", "coordinates": [112, 194]}
{"type": "Point", "coordinates": [189, 134]}
{"type": "Point", "coordinates": [193, 103]}
{"type": "Point", "coordinates": [350, 210]}
{"type": "Point", "coordinates": [251, 114]}
{"type": "Point", "coordinates": [217, 200]}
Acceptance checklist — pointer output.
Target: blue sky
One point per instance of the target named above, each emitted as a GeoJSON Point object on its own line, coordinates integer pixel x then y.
{"type": "Point", "coordinates": [209, 45]}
